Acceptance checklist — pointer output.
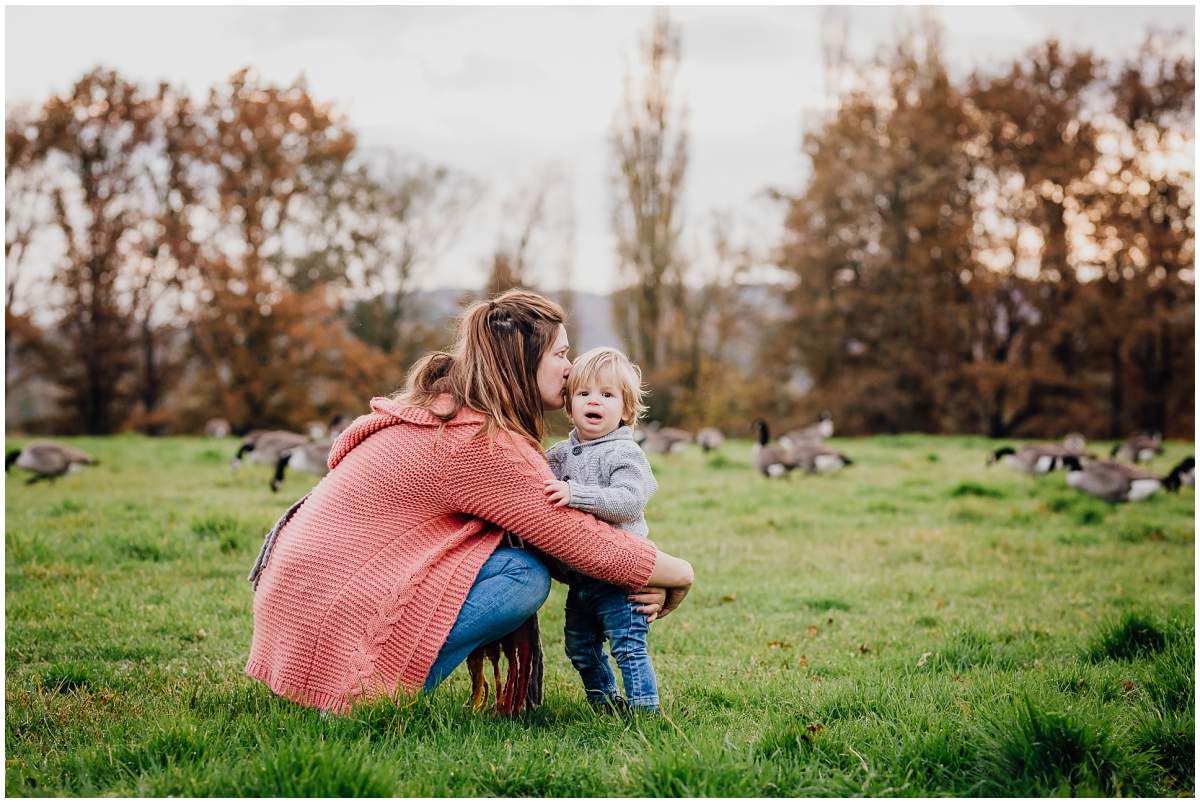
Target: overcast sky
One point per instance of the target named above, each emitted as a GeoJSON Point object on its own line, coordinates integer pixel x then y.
{"type": "Point", "coordinates": [509, 94]}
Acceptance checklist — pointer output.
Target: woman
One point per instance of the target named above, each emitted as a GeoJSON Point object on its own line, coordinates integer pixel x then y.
{"type": "Point", "coordinates": [393, 569]}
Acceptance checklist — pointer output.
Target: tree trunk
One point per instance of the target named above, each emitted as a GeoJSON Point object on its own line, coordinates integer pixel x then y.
{"type": "Point", "coordinates": [1116, 392]}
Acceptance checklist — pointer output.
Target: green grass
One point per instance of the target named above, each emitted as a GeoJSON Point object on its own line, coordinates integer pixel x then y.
{"type": "Point", "coordinates": [916, 625]}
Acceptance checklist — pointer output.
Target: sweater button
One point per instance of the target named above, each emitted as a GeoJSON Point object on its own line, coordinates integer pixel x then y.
{"type": "Point", "coordinates": [578, 450]}
{"type": "Point", "coordinates": [566, 478]}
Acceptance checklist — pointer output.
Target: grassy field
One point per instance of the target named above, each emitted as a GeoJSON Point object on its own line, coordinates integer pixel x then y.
{"type": "Point", "coordinates": [918, 625]}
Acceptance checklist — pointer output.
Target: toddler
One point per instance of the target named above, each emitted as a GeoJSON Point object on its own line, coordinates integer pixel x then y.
{"type": "Point", "coordinates": [602, 470]}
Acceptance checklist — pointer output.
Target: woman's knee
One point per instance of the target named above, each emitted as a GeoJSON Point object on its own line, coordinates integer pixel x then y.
{"type": "Point", "coordinates": [523, 567]}
{"type": "Point", "coordinates": [537, 584]}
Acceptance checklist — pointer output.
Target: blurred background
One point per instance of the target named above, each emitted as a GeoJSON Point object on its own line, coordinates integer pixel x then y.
{"type": "Point", "coordinates": [968, 220]}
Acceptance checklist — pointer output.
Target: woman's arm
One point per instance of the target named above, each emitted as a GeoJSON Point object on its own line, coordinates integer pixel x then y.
{"type": "Point", "coordinates": [504, 484]}
{"type": "Point", "coordinates": [671, 572]}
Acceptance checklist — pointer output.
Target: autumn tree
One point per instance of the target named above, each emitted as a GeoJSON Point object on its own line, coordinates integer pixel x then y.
{"type": "Point", "coordinates": [1138, 212]}
{"type": "Point", "coordinates": [27, 213]}
{"type": "Point", "coordinates": [88, 149]}
{"type": "Point", "coordinates": [1036, 147]}
{"type": "Point", "coordinates": [879, 247]}
{"type": "Point", "coordinates": [159, 269]}
{"type": "Point", "coordinates": [265, 161]}
{"type": "Point", "coordinates": [1009, 254]}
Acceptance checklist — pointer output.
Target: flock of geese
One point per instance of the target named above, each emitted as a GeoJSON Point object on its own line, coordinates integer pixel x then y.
{"type": "Point", "coordinates": [802, 448]}
{"type": "Point", "coordinates": [1117, 479]}
{"type": "Point", "coordinates": [283, 449]}
{"type": "Point", "coordinates": [1111, 480]}
{"type": "Point", "coordinates": [49, 460]}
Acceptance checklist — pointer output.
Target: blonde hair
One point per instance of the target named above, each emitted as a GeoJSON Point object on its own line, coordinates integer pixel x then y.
{"type": "Point", "coordinates": [493, 365]}
{"type": "Point", "coordinates": [609, 362]}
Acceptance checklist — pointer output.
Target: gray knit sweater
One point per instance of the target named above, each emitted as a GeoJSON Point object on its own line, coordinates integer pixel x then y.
{"type": "Point", "coordinates": [609, 477]}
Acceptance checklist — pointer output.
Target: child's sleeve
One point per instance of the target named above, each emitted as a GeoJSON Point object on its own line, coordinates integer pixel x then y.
{"type": "Point", "coordinates": [554, 456]}
{"type": "Point", "coordinates": [631, 484]}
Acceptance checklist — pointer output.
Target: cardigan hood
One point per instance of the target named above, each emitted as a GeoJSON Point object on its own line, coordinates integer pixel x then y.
{"type": "Point", "coordinates": [386, 411]}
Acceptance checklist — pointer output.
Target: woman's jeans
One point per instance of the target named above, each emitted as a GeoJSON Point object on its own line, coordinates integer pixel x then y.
{"type": "Point", "coordinates": [597, 611]}
{"type": "Point", "coordinates": [510, 587]}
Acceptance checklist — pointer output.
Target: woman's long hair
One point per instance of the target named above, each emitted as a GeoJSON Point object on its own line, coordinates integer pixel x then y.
{"type": "Point", "coordinates": [494, 364]}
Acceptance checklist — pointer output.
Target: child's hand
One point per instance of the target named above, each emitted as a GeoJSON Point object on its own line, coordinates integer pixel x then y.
{"type": "Point", "coordinates": [559, 492]}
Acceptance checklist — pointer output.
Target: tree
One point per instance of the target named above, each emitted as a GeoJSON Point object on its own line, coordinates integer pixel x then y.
{"type": "Point", "coordinates": [649, 143]}
{"type": "Point", "coordinates": [1036, 147]}
{"type": "Point", "coordinates": [1138, 208]}
{"type": "Point", "coordinates": [265, 159]}
{"type": "Point", "coordinates": [158, 271]}
{"type": "Point", "coordinates": [405, 213]}
{"type": "Point", "coordinates": [89, 148]}
{"type": "Point", "coordinates": [511, 263]}
{"type": "Point", "coordinates": [879, 247]}
{"type": "Point", "coordinates": [1012, 254]}
{"type": "Point", "coordinates": [714, 376]}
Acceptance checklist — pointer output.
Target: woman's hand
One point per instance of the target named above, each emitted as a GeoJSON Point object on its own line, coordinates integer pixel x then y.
{"type": "Point", "coordinates": [674, 597]}
{"type": "Point", "coordinates": [651, 600]}
{"type": "Point", "coordinates": [674, 574]}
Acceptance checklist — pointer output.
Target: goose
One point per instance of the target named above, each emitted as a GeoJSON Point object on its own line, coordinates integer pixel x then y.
{"type": "Point", "coordinates": [665, 440]}
{"type": "Point", "coordinates": [814, 432]}
{"type": "Point", "coordinates": [1117, 482]}
{"type": "Point", "coordinates": [217, 428]}
{"type": "Point", "coordinates": [47, 460]}
{"type": "Point", "coordinates": [265, 446]}
{"type": "Point", "coordinates": [1141, 448]}
{"type": "Point", "coordinates": [1182, 474]}
{"type": "Point", "coordinates": [1034, 458]}
{"type": "Point", "coordinates": [772, 461]}
{"type": "Point", "coordinates": [817, 458]}
{"type": "Point", "coordinates": [710, 438]}
{"type": "Point", "coordinates": [311, 457]}
{"type": "Point", "coordinates": [338, 424]}
{"type": "Point", "coordinates": [653, 442]}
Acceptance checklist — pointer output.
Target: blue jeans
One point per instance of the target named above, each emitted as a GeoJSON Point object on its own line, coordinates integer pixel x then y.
{"type": "Point", "coordinates": [510, 587]}
{"type": "Point", "coordinates": [597, 612]}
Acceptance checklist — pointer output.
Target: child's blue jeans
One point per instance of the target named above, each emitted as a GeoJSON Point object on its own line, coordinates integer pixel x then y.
{"type": "Point", "coordinates": [597, 612]}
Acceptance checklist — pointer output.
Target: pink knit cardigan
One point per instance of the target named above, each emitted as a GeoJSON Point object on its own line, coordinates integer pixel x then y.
{"type": "Point", "coordinates": [367, 578]}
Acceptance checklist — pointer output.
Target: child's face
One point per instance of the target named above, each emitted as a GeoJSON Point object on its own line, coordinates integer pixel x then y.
{"type": "Point", "coordinates": [596, 407]}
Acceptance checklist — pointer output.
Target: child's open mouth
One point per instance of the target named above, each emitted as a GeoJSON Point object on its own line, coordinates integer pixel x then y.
{"type": "Point", "coordinates": [595, 418]}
